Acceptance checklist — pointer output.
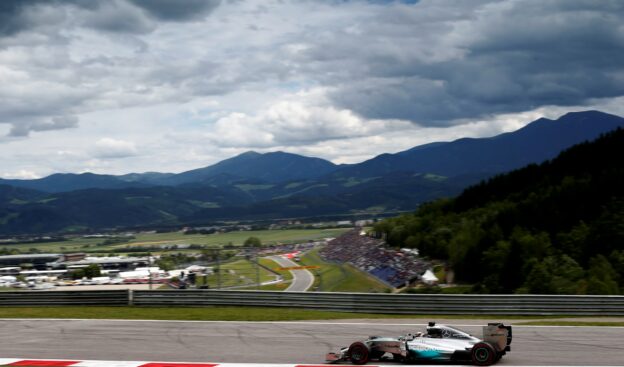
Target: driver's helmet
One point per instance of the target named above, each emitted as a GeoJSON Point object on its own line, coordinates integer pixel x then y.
{"type": "Point", "coordinates": [434, 332]}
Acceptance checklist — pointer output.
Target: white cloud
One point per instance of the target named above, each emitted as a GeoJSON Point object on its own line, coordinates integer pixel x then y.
{"type": "Point", "coordinates": [297, 119]}
{"type": "Point", "coordinates": [112, 148]}
{"type": "Point", "coordinates": [21, 175]}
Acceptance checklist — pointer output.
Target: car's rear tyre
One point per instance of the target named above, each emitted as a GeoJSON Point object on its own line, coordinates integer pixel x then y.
{"type": "Point", "coordinates": [483, 354]}
{"type": "Point", "coordinates": [359, 353]}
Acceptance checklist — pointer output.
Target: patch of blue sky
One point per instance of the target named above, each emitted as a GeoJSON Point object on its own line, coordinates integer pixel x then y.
{"type": "Point", "coordinates": [293, 86]}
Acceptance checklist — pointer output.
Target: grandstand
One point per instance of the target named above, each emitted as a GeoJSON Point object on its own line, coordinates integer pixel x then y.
{"type": "Point", "coordinates": [396, 268]}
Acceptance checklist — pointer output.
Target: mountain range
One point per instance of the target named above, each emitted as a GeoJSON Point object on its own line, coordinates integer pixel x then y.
{"type": "Point", "coordinates": [284, 185]}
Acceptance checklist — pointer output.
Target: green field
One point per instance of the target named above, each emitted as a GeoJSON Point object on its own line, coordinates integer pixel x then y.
{"type": "Point", "coordinates": [248, 269]}
{"type": "Point", "coordinates": [286, 276]}
{"type": "Point", "coordinates": [341, 278]}
{"type": "Point", "coordinates": [238, 273]}
{"type": "Point", "coordinates": [94, 245]}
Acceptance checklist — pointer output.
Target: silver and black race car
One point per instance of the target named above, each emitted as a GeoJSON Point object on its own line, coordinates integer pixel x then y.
{"type": "Point", "coordinates": [438, 343]}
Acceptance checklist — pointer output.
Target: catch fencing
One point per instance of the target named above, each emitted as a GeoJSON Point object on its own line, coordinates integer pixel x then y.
{"type": "Point", "coordinates": [428, 304]}
{"type": "Point", "coordinates": [64, 298]}
{"type": "Point", "coordinates": [392, 303]}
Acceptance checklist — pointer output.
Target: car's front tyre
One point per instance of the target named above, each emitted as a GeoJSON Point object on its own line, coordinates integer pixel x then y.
{"type": "Point", "coordinates": [359, 353]}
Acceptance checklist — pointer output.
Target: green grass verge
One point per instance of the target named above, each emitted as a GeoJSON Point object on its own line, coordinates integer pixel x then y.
{"type": "Point", "coordinates": [217, 313]}
{"type": "Point", "coordinates": [278, 287]}
{"type": "Point", "coordinates": [460, 289]}
{"type": "Point", "coordinates": [8, 289]}
{"type": "Point", "coordinates": [341, 278]}
{"type": "Point", "coordinates": [225, 313]}
{"type": "Point", "coordinates": [232, 313]}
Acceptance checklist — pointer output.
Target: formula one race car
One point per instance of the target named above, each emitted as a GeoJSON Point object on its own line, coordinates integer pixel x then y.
{"type": "Point", "coordinates": [438, 343]}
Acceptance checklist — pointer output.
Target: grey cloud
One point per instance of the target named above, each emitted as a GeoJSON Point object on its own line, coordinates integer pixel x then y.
{"type": "Point", "coordinates": [32, 101]}
{"type": "Point", "coordinates": [55, 123]}
{"type": "Point", "coordinates": [13, 18]}
{"type": "Point", "coordinates": [177, 10]}
{"type": "Point", "coordinates": [408, 98]}
{"type": "Point", "coordinates": [23, 15]}
{"type": "Point", "coordinates": [63, 122]}
{"type": "Point", "coordinates": [479, 60]}
{"type": "Point", "coordinates": [142, 16]}
{"type": "Point", "coordinates": [119, 17]}
{"type": "Point", "coordinates": [131, 16]}
{"type": "Point", "coordinates": [433, 63]}
{"type": "Point", "coordinates": [9, 16]}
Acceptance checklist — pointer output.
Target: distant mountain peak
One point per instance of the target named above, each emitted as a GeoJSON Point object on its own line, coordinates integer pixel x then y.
{"type": "Point", "coordinates": [279, 152]}
{"type": "Point", "coordinates": [585, 112]}
{"type": "Point", "coordinates": [249, 153]}
{"type": "Point", "coordinates": [273, 167]}
{"type": "Point", "coordinates": [584, 115]}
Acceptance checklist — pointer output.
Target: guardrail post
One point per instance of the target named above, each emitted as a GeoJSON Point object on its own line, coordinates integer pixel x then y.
{"type": "Point", "coordinates": [130, 297]}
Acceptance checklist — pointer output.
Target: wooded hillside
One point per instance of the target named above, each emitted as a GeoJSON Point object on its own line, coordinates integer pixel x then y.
{"type": "Point", "coordinates": [557, 227]}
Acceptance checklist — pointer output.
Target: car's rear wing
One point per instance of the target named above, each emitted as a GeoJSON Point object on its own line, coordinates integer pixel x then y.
{"type": "Point", "coordinates": [498, 335]}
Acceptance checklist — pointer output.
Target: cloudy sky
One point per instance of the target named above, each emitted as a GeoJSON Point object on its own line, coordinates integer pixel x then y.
{"type": "Point", "coordinates": [118, 86]}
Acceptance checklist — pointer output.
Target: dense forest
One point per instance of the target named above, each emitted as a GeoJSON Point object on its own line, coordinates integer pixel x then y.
{"type": "Point", "coordinates": [557, 227]}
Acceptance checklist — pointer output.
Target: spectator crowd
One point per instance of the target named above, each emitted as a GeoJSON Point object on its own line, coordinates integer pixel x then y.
{"type": "Point", "coordinates": [394, 267]}
{"type": "Point", "coordinates": [281, 248]}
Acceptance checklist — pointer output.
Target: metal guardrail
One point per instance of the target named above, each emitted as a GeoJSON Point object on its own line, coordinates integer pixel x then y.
{"type": "Point", "coordinates": [64, 298]}
{"type": "Point", "coordinates": [430, 304]}
{"type": "Point", "coordinates": [392, 303]}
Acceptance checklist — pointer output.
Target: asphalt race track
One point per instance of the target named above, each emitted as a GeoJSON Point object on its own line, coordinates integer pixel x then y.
{"type": "Point", "coordinates": [294, 342]}
{"type": "Point", "coordinates": [302, 279]}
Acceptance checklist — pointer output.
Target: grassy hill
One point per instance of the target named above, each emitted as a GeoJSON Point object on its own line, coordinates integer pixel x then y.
{"type": "Point", "coordinates": [341, 277]}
